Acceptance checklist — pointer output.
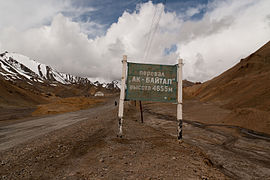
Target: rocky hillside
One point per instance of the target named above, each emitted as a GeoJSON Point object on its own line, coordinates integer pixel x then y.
{"type": "Point", "coordinates": [16, 66]}
{"type": "Point", "coordinates": [26, 82]}
{"type": "Point", "coordinates": [187, 83]}
{"type": "Point", "coordinates": [244, 89]}
{"type": "Point", "coordinates": [247, 84]}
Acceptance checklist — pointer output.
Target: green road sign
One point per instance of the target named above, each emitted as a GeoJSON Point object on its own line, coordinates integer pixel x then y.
{"type": "Point", "coordinates": [151, 82]}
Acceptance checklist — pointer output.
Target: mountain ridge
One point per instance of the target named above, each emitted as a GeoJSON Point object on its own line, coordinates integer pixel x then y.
{"type": "Point", "coordinates": [243, 89]}
{"type": "Point", "coordinates": [26, 82]}
{"type": "Point", "coordinates": [16, 64]}
{"type": "Point", "coordinates": [249, 78]}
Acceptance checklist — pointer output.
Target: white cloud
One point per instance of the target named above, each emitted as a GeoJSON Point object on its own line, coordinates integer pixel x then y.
{"type": "Point", "coordinates": [24, 14]}
{"type": "Point", "coordinates": [194, 10]}
{"type": "Point", "coordinates": [244, 31]}
{"type": "Point", "coordinates": [228, 31]}
{"type": "Point", "coordinates": [64, 46]}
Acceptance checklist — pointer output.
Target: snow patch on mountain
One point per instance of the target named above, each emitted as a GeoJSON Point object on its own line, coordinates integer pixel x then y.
{"type": "Point", "coordinates": [14, 66]}
{"type": "Point", "coordinates": [17, 66]}
{"type": "Point", "coordinates": [26, 61]}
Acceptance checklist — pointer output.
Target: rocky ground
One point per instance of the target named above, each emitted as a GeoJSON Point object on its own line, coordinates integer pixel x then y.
{"type": "Point", "coordinates": [238, 152]}
{"type": "Point", "coordinates": [84, 145]}
{"type": "Point", "coordinates": [89, 149]}
{"type": "Point", "coordinates": [57, 105]}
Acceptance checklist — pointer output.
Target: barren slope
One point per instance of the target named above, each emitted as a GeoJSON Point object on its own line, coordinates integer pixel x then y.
{"type": "Point", "coordinates": [13, 95]}
{"type": "Point", "coordinates": [244, 89]}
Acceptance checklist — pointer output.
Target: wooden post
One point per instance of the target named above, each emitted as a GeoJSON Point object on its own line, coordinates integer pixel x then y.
{"type": "Point", "coordinates": [141, 111]}
{"type": "Point", "coordinates": [122, 96]}
{"type": "Point", "coordinates": [179, 99]}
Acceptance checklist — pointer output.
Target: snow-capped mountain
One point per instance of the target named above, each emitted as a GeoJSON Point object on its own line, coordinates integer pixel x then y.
{"type": "Point", "coordinates": [15, 66]}
{"type": "Point", "coordinates": [26, 82]}
{"type": "Point", "coordinates": [112, 85]}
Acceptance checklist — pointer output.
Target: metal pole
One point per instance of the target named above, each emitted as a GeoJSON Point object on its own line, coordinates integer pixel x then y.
{"type": "Point", "coordinates": [179, 99]}
{"type": "Point", "coordinates": [122, 95]}
{"type": "Point", "coordinates": [141, 111]}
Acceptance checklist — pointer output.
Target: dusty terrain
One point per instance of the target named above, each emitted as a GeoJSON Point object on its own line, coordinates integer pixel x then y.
{"type": "Point", "coordinates": [56, 105]}
{"type": "Point", "coordinates": [244, 90]}
{"type": "Point", "coordinates": [62, 105]}
{"type": "Point", "coordinates": [239, 153]}
{"type": "Point", "coordinates": [83, 145]}
{"type": "Point", "coordinates": [89, 149]}
{"type": "Point", "coordinates": [15, 133]}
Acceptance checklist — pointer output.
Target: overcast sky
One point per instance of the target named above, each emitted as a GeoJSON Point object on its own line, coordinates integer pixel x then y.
{"type": "Point", "coordinates": [89, 37]}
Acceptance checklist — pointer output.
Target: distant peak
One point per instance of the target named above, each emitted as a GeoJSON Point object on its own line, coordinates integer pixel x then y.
{"type": "Point", "coordinates": [3, 54]}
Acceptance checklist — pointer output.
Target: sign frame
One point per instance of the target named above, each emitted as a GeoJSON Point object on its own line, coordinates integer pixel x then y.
{"type": "Point", "coordinates": [179, 115]}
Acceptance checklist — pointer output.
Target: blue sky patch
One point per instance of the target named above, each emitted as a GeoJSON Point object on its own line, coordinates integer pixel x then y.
{"type": "Point", "coordinates": [107, 12]}
{"type": "Point", "coordinates": [170, 50]}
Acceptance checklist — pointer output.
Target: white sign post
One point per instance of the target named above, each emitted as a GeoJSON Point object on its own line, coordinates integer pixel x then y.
{"type": "Point", "coordinates": [122, 95]}
{"type": "Point", "coordinates": [179, 99]}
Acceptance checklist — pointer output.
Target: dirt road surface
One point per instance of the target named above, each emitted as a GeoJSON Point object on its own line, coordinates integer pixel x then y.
{"type": "Point", "coordinates": [89, 149]}
{"type": "Point", "coordinates": [83, 145]}
{"type": "Point", "coordinates": [238, 152]}
{"type": "Point", "coordinates": [14, 134]}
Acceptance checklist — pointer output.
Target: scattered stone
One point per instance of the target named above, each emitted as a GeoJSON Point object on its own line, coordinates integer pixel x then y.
{"type": "Point", "coordinates": [204, 178]}
{"type": "Point", "coordinates": [105, 169]}
{"type": "Point", "coordinates": [101, 160]}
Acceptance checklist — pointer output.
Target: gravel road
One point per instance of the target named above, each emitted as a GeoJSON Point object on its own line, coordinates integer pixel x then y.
{"type": "Point", "coordinates": [14, 134]}
{"type": "Point", "coordinates": [83, 145]}
{"type": "Point", "coordinates": [238, 152]}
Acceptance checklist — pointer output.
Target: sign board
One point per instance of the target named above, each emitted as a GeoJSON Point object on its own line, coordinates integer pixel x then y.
{"type": "Point", "coordinates": [151, 82]}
